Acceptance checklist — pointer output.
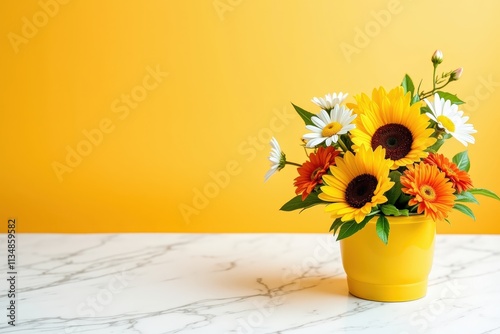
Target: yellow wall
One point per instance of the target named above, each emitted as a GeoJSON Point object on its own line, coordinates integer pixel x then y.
{"type": "Point", "coordinates": [224, 74]}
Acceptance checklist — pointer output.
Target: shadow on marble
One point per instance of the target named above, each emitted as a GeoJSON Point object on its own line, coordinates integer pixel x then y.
{"type": "Point", "coordinates": [272, 284]}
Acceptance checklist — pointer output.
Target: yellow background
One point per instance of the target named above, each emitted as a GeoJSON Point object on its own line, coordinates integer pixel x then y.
{"type": "Point", "coordinates": [233, 69]}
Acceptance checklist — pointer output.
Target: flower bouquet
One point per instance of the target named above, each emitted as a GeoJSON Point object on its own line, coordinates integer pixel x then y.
{"type": "Point", "coordinates": [375, 165]}
{"type": "Point", "coordinates": [379, 157]}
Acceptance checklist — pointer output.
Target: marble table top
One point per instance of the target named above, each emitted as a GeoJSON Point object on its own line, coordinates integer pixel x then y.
{"type": "Point", "coordinates": [235, 283]}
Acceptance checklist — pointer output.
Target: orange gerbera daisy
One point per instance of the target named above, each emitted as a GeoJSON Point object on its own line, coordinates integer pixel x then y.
{"type": "Point", "coordinates": [459, 178]}
{"type": "Point", "coordinates": [431, 190]}
{"type": "Point", "coordinates": [311, 171]}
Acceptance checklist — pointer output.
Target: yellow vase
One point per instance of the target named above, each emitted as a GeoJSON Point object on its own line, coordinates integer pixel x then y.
{"type": "Point", "coordinates": [395, 272]}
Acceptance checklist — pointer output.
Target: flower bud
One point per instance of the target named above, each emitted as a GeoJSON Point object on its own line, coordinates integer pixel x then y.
{"type": "Point", "coordinates": [437, 57]}
{"type": "Point", "coordinates": [455, 75]}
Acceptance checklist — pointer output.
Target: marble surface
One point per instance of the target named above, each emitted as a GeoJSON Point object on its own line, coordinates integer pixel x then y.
{"type": "Point", "coordinates": [236, 283]}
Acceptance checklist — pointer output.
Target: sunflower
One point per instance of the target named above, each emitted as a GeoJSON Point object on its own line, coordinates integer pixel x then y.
{"type": "Point", "coordinates": [357, 184]}
{"type": "Point", "coordinates": [460, 179]}
{"type": "Point", "coordinates": [388, 120]}
{"type": "Point", "coordinates": [311, 171]}
{"type": "Point", "coordinates": [430, 190]}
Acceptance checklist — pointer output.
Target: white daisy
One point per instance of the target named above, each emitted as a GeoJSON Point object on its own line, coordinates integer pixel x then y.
{"type": "Point", "coordinates": [452, 120]}
{"type": "Point", "coordinates": [328, 127]}
{"type": "Point", "coordinates": [329, 101]}
{"type": "Point", "coordinates": [277, 158]}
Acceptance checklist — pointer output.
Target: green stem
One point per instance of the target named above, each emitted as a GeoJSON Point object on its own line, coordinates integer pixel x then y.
{"type": "Point", "coordinates": [434, 78]}
{"type": "Point", "coordinates": [292, 163]}
{"type": "Point", "coordinates": [430, 93]}
{"type": "Point", "coordinates": [435, 81]}
{"type": "Point", "coordinates": [342, 145]}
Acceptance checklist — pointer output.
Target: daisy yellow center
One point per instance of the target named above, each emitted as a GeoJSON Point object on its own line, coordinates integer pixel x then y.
{"type": "Point", "coordinates": [428, 193]}
{"type": "Point", "coordinates": [446, 122]}
{"type": "Point", "coordinates": [331, 129]}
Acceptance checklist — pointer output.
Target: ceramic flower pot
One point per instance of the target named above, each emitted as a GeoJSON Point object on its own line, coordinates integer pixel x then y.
{"type": "Point", "coordinates": [394, 272]}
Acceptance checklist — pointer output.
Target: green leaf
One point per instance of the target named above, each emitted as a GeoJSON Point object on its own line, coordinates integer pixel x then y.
{"type": "Point", "coordinates": [404, 212]}
{"type": "Point", "coordinates": [484, 192]}
{"type": "Point", "coordinates": [297, 202]}
{"type": "Point", "coordinates": [465, 210]}
{"type": "Point", "coordinates": [415, 99]}
{"type": "Point", "coordinates": [304, 114]}
{"type": "Point", "coordinates": [462, 161]}
{"type": "Point", "coordinates": [425, 109]}
{"type": "Point", "coordinates": [347, 229]}
{"type": "Point", "coordinates": [403, 200]}
{"type": "Point", "coordinates": [383, 228]}
{"type": "Point", "coordinates": [391, 210]}
{"type": "Point", "coordinates": [350, 227]}
{"type": "Point", "coordinates": [408, 85]}
{"type": "Point", "coordinates": [393, 193]}
{"type": "Point", "coordinates": [336, 224]}
{"type": "Point", "coordinates": [448, 96]}
{"type": "Point", "coordinates": [466, 197]}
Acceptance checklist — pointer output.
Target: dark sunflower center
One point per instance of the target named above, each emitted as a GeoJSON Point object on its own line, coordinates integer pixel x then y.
{"type": "Point", "coordinates": [395, 138]}
{"type": "Point", "coordinates": [360, 190]}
